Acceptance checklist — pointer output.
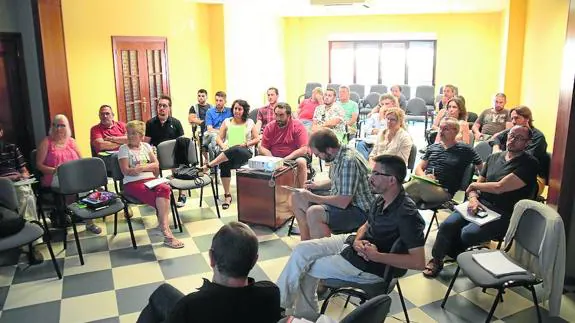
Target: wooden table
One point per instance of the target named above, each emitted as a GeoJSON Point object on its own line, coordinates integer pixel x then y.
{"type": "Point", "coordinates": [263, 204]}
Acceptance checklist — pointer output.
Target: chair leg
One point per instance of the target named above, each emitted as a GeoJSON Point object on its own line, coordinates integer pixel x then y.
{"type": "Point", "coordinates": [499, 244]}
{"type": "Point", "coordinates": [54, 262]}
{"type": "Point", "coordinates": [450, 286]}
{"type": "Point", "coordinates": [131, 233]}
{"type": "Point", "coordinates": [174, 209]}
{"type": "Point", "coordinates": [494, 306]}
{"type": "Point", "coordinates": [116, 221]}
{"type": "Point", "coordinates": [436, 220]}
{"type": "Point", "coordinates": [201, 195]}
{"type": "Point", "coordinates": [77, 238]}
{"type": "Point", "coordinates": [320, 166]}
{"type": "Point", "coordinates": [214, 191]}
{"type": "Point", "coordinates": [532, 288]}
{"type": "Point", "coordinates": [430, 224]}
{"type": "Point", "coordinates": [291, 225]}
{"type": "Point", "coordinates": [402, 302]}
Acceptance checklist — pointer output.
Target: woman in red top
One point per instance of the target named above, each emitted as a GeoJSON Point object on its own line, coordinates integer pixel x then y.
{"type": "Point", "coordinates": [307, 108]}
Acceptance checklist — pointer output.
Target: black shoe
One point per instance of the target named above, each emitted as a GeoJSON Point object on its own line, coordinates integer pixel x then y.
{"type": "Point", "coordinates": [35, 258]}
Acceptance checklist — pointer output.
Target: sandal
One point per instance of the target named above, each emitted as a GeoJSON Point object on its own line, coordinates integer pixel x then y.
{"type": "Point", "coordinates": [226, 204]}
{"type": "Point", "coordinates": [93, 228]}
{"type": "Point", "coordinates": [433, 268]}
{"type": "Point", "coordinates": [173, 243]}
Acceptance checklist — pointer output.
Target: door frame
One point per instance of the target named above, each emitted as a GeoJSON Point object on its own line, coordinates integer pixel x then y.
{"type": "Point", "coordinates": [118, 76]}
{"type": "Point", "coordinates": [20, 104]}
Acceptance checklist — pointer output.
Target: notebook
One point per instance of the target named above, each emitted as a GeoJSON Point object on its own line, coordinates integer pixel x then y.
{"type": "Point", "coordinates": [497, 263]}
{"type": "Point", "coordinates": [236, 135]}
{"type": "Point", "coordinates": [425, 179]}
{"type": "Point", "coordinates": [155, 182]}
{"type": "Point", "coordinates": [491, 215]}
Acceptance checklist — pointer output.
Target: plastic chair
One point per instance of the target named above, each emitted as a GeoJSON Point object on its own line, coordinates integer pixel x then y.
{"type": "Point", "coordinates": [416, 111]}
{"type": "Point", "coordinates": [355, 97]}
{"type": "Point", "coordinates": [483, 149]}
{"type": "Point", "coordinates": [358, 88]}
{"type": "Point", "coordinates": [406, 91]}
{"type": "Point", "coordinates": [371, 100]}
{"type": "Point", "coordinates": [374, 310]}
{"type": "Point", "coordinates": [308, 91]}
{"type": "Point", "coordinates": [378, 88]}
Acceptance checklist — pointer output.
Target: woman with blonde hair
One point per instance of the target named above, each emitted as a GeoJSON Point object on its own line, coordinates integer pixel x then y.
{"type": "Point", "coordinates": [56, 149]}
{"type": "Point", "coordinates": [307, 107]}
{"type": "Point", "coordinates": [139, 165]}
{"type": "Point", "coordinates": [394, 140]}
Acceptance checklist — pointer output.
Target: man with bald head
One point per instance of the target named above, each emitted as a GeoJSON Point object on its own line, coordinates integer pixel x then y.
{"type": "Point", "coordinates": [507, 177]}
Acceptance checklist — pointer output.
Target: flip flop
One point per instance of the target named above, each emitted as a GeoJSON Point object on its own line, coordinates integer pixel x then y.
{"type": "Point", "coordinates": [173, 243]}
{"type": "Point", "coordinates": [226, 204]}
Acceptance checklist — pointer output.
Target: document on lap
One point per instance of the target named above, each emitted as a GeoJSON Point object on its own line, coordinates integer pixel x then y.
{"type": "Point", "coordinates": [464, 211]}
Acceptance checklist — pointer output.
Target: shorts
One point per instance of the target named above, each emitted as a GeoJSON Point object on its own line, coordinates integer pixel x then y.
{"type": "Point", "coordinates": [344, 220]}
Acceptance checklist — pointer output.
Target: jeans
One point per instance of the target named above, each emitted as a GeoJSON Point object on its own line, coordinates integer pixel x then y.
{"type": "Point", "coordinates": [310, 261]}
{"type": "Point", "coordinates": [364, 149]}
{"type": "Point", "coordinates": [457, 234]}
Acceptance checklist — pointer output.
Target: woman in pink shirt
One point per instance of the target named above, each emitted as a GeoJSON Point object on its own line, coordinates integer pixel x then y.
{"type": "Point", "coordinates": [56, 149]}
{"type": "Point", "coordinates": [307, 108]}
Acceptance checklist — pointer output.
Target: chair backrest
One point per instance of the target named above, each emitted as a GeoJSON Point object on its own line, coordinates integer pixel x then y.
{"type": "Point", "coordinates": [426, 92]}
{"type": "Point", "coordinates": [394, 272]}
{"type": "Point", "coordinates": [334, 86]}
{"type": "Point", "coordinates": [33, 167]}
{"type": "Point", "coordinates": [411, 159]}
{"type": "Point", "coordinates": [354, 97]}
{"type": "Point", "coordinates": [471, 117]}
{"type": "Point", "coordinates": [406, 90]}
{"type": "Point", "coordinates": [117, 174]}
{"type": "Point", "coordinates": [374, 310]}
{"type": "Point", "coordinates": [531, 229]}
{"type": "Point", "coordinates": [358, 88]}
{"type": "Point", "coordinates": [416, 107]}
{"type": "Point", "coordinates": [371, 100]}
{"type": "Point", "coordinates": [253, 114]}
{"type": "Point", "coordinates": [309, 88]}
{"type": "Point", "coordinates": [483, 149]}
{"type": "Point", "coordinates": [471, 139]}
{"type": "Point", "coordinates": [467, 177]}
{"type": "Point", "coordinates": [82, 175]}
{"type": "Point", "coordinates": [378, 88]}
{"type": "Point", "coordinates": [545, 167]}
{"type": "Point", "coordinates": [8, 197]}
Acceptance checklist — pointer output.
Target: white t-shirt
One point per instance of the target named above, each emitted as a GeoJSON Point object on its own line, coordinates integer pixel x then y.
{"type": "Point", "coordinates": [139, 156]}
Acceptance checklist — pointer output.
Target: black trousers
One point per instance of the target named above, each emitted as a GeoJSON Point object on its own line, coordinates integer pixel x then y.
{"type": "Point", "coordinates": [237, 157]}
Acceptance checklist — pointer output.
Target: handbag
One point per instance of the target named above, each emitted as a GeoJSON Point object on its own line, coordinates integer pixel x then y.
{"type": "Point", "coordinates": [10, 222]}
{"type": "Point", "coordinates": [99, 199]}
{"type": "Point", "coordinates": [188, 173]}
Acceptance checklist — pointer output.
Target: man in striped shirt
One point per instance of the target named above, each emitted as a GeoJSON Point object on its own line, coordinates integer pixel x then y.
{"type": "Point", "coordinates": [445, 163]}
{"type": "Point", "coordinates": [346, 205]}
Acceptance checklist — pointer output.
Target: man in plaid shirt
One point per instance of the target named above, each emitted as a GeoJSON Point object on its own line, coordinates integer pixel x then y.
{"type": "Point", "coordinates": [266, 114]}
{"type": "Point", "coordinates": [345, 206]}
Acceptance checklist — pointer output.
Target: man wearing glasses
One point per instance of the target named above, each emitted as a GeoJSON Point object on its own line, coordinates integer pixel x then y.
{"type": "Point", "coordinates": [163, 126]}
{"type": "Point", "coordinates": [507, 177]}
{"type": "Point", "coordinates": [361, 257]}
{"type": "Point", "coordinates": [108, 135]}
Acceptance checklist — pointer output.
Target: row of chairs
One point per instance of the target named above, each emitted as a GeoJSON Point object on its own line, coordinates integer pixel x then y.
{"type": "Point", "coordinates": [425, 92]}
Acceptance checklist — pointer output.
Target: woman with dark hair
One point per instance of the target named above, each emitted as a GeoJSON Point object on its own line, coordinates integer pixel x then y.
{"type": "Point", "coordinates": [455, 109]}
{"type": "Point", "coordinates": [240, 152]}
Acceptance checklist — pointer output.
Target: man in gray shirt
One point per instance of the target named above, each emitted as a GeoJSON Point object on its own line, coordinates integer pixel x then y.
{"type": "Point", "coordinates": [492, 120]}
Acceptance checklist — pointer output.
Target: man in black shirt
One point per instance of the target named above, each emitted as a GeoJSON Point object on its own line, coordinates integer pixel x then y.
{"type": "Point", "coordinates": [445, 162]}
{"type": "Point", "coordinates": [197, 116]}
{"type": "Point", "coordinates": [508, 177]}
{"type": "Point", "coordinates": [163, 127]}
{"type": "Point", "coordinates": [364, 259]}
{"type": "Point", "coordinates": [232, 296]}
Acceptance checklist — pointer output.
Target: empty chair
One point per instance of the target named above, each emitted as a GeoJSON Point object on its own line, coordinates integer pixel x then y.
{"type": "Point", "coordinates": [378, 88]}
{"type": "Point", "coordinates": [371, 100]}
{"type": "Point", "coordinates": [334, 86]}
{"type": "Point", "coordinates": [427, 93]}
{"type": "Point", "coordinates": [359, 89]}
{"type": "Point", "coordinates": [354, 97]}
{"type": "Point", "coordinates": [406, 91]}
{"type": "Point", "coordinates": [416, 111]}
{"type": "Point", "coordinates": [308, 89]}
{"type": "Point", "coordinates": [483, 149]}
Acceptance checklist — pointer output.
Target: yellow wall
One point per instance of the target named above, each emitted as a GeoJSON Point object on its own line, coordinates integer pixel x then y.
{"type": "Point", "coordinates": [88, 27]}
{"type": "Point", "coordinates": [468, 49]}
{"type": "Point", "coordinates": [512, 50]}
{"type": "Point", "coordinates": [217, 48]}
{"type": "Point", "coordinates": [542, 62]}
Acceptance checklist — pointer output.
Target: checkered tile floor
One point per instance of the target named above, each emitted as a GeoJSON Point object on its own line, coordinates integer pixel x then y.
{"type": "Point", "coordinates": [116, 280]}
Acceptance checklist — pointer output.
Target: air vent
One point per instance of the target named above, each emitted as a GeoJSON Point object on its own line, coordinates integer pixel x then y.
{"type": "Point", "coordinates": [335, 2]}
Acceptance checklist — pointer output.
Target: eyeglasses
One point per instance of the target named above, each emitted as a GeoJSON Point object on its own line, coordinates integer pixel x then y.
{"type": "Point", "coordinates": [376, 173]}
{"type": "Point", "coordinates": [60, 126]}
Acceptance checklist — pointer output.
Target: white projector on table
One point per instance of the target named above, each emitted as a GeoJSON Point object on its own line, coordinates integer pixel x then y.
{"type": "Point", "coordinates": [265, 163]}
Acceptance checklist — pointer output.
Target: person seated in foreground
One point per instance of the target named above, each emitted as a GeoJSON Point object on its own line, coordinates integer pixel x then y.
{"type": "Point", "coordinates": [139, 165]}
{"type": "Point", "coordinates": [345, 207]}
{"type": "Point", "coordinates": [492, 120]}
{"type": "Point", "coordinates": [455, 109]}
{"type": "Point", "coordinates": [364, 257]}
{"type": "Point", "coordinates": [286, 137]}
{"type": "Point", "coordinates": [395, 140]}
{"type": "Point", "coordinates": [444, 162]}
{"type": "Point", "coordinates": [235, 156]}
{"type": "Point", "coordinates": [374, 124]}
{"type": "Point", "coordinates": [507, 177]}
{"type": "Point", "coordinates": [108, 135]}
{"type": "Point", "coordinates": [231, 296]}
{"type": "Point", "coordinates": [56, 149]}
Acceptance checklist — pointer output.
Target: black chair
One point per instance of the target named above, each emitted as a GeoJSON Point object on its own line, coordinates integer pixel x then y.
{"type": "Point", "coordinates": [378, 88]}
{"type": "Point", "coordinates": [32, 230]}
{"type": "Point", "coordinates": [411, 159]}
{"type": "Point", "coordinates": [374, 310]}
{"type": "Point", "coordinates": [371, 100]}
{"type": "Point", "coordinates": [427, 93]}
{"type": "Point", "coordinates": [368, 291]}
{"type": "Point", "coordinates": [85, 175]}
{"type": "Point", "coordinates": [416, 111]}
{"type": "Point", "coordinates": [354, 97]}
{"type": "Point", "coordinates": [308, 91]}
{"type": "Point", "coordinates": [529, 235]}
{"type": "Point", "coordinates": [358, 88]}
{"type": "Point", "coordinates": [483, 149]}
{"type": "Point", "coordinates": [334, 86]}
{"type": "Point", "coordinates": [406, 91]}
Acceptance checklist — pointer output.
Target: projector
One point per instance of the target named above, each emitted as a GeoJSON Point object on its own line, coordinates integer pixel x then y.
{"type": "Point", "coordinates": [265, 163]}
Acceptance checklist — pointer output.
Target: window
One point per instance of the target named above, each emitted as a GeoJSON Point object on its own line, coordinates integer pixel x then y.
{"type": "Point", "coordinates": [382, 62]}
{"type": "Point", "coordinates": [141, 70]}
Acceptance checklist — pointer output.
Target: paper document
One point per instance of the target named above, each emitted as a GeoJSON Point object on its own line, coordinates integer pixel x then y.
{"type": "Point", "coordinates": [155, 182]}
{"type": "Point", "coordinates": [293, 189]}
{"type": "Point", "coordinates": [28, 181]}
{"type": "Point", "coordinates": [497, 263]}
{"type": "Point", "coordinates": [236, 135]}
{"type": "Point", "coordinates": [491, 215]}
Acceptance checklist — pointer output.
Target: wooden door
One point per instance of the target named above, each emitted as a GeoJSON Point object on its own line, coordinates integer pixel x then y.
{"type": "Point", "coordinates": [141, 69]}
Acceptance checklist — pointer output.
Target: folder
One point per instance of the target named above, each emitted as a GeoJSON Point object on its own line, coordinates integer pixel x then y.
{"type": "Point", "coordinates": [236, 135]}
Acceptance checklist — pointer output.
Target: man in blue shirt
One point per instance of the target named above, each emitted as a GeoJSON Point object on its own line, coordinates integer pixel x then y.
{"type": "Point", "coordinates": [214, 119]}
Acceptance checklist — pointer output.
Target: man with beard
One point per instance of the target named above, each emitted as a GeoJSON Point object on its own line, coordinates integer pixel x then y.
{"type": "Point", "coordinates": [507, 177]}
{"type": "Point", "coordinates": [197, 116]}
{"type": "Point", "coordinates": [286, 137]}
{"type": "Point", "coordinates": [266, 114]}
{"type": "Point", "coordinates": [108, 134]}
{"type": "Point", "coordinates": [330, 115]}
{"type": "Point", "coordinates": [363, 257]}
{"type": "Point", "coordinates": [345, 208]}
{"type": "Point", "coordinates": [492, 120]}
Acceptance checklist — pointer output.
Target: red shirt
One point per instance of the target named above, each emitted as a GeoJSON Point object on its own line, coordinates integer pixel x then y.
{"type": "Point", "coordinates": [265, 115]}
{"type": "Point", "coordinates": [307, 108]}
{"type": "Point", "coordinates": [283, 141]}
{"type": "Point", "coordinates": [118, 129]}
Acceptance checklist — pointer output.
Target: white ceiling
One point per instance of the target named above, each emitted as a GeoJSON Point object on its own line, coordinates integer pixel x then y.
{"type": "Point", "coordinates": [299, 8]}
